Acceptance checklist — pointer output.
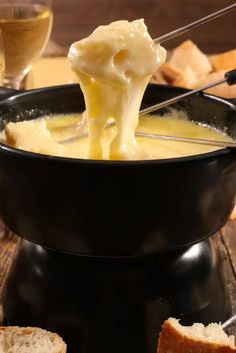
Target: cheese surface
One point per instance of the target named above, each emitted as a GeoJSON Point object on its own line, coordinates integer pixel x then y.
{"type": "Point", "coordinates": [46, 136]}
{"type": "Point", "coordinates": [114, 65]}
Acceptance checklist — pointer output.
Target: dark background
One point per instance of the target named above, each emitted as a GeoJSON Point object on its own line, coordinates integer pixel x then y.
{"type": "Point", "coordinates": [75, 19]}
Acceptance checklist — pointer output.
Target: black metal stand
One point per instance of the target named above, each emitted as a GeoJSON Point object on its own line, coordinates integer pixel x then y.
{"type": "Point", "coordinates": [104, 305]}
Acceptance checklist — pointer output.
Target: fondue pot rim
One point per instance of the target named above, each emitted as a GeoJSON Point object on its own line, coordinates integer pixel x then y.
{"type": "Point", "coordinates": [16, 151]}
{"type": "Point", "coordinates": [35, 155]}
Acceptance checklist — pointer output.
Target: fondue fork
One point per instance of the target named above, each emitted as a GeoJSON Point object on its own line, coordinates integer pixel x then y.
{"type": "Point", "coordinates": [197, 141]}
{"type": "Point", "coordinates": [194, 24]}
{"type": "Point", "coordinates": [229, 78]}
{"type": "Point", "coordinates": [165, 37]}
{"type": "Point", "coordinates": [228, 322]}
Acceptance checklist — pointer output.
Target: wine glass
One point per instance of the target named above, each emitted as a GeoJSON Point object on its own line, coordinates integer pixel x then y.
{"type": "Point", "coordinates": [26, 27]}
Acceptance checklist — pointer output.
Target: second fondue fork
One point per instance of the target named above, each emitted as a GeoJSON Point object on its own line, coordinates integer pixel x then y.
{"type": "Point", "coordinates": [194, 24]}
{"type": "Point", "coordinates": [229, 78]}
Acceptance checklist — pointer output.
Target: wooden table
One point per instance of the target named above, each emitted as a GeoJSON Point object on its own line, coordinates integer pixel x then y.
{"type": "Point", "coordinates": [226, 240]}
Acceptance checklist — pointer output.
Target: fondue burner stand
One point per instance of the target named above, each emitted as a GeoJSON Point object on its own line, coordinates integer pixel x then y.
{"type": "Point", "coordinates": [114, 305]}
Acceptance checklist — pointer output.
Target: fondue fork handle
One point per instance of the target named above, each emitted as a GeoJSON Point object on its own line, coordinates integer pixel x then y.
{"type": "Point", "coordinates": [230, 79]}
{"type": "Point", "coordinates": [194, 24]}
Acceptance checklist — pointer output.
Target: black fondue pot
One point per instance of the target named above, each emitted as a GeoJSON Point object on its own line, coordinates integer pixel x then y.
{"type": "Point", "coordinates": [116, 208]}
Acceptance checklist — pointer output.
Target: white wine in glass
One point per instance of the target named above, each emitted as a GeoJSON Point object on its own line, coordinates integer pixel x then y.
{"type": "Point", "coordinates": [26, 27]}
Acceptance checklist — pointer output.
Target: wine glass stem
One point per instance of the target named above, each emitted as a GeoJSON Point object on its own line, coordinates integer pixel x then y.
{"type": "Point", "coordinates": [13, 82]}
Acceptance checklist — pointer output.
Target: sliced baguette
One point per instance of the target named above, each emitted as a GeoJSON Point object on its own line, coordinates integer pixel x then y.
{"type": "Point", "coordinates": [175, 338]}
{"type": "Point", "coordinates": [14, 339]}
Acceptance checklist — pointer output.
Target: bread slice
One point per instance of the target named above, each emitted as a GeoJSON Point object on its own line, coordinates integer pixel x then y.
{"type": "Point", "coordinates": [188, 54]}
{"type": "Point", "coordinates": [187, 79]}
{"type": "Point", "coordinates": [33, 136]}
{"type": "Point", "coordinates": [184, 78]}
{"type": "Point", "coordinates": [159, 78]}
{"type": "Point", "coordinates": [189, 67]}
{"type": "Point", "coordinates": [169, 72]}
{"type": "Point", "coordinates": [233, 214]}
{"type": "Point", "coordinates": [175, 338]}
{"type": "Point", "coordinates": [222, 90]}
{"type": "Point", "coordinates": [14, 339]}
{"type": "Point", "coordinates": [224, 61]}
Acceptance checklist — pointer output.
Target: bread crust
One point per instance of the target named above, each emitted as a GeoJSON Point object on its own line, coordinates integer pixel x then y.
{"type": "Point", "coordinates": [169, 72]}
{"type": "Point", "coordinates": [224, 61]}
{"type": "Point", "coordinates": [29, 330]}
{"type": "Point", "coordinates": [189, 67]}
{"type": "Point", "coordinates": [172, 340]}
{"type": "Point", "coordinates": [233, 214]}
{"type": "Point", "coordinates": [188, 54]}
{"type": "Point", "coordinates": [223, 90]}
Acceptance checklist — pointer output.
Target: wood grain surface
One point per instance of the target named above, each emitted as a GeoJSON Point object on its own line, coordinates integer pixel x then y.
{"type": "Point", "coordinates": [8, 247]}
{"type": "Point", "coordinates": [224, 240]}
{"type": "Point", "coordinates": [75, 19]}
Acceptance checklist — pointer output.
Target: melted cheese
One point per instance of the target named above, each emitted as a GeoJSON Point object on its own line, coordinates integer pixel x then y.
{"type": "Point", "coordinates": [114, 65]}
{"type": "Point", "coordinates": [43, 136]}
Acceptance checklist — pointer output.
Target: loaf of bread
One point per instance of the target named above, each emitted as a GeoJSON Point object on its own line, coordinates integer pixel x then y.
{"type": "Point", "coordinates": [15, 339]}
{"type": "Point", "coordinates": [175, 338]}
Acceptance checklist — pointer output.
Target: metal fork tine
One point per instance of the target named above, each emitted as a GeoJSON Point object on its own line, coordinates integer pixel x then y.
{"type": "Point", "coordinates": [229, 322]}
{"type": "Point", "coordinates": [194, 24]}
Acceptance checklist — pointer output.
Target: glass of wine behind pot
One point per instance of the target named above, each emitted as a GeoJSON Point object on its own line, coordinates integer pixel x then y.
{"type": "Point", "coordinates": [26, 27]}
